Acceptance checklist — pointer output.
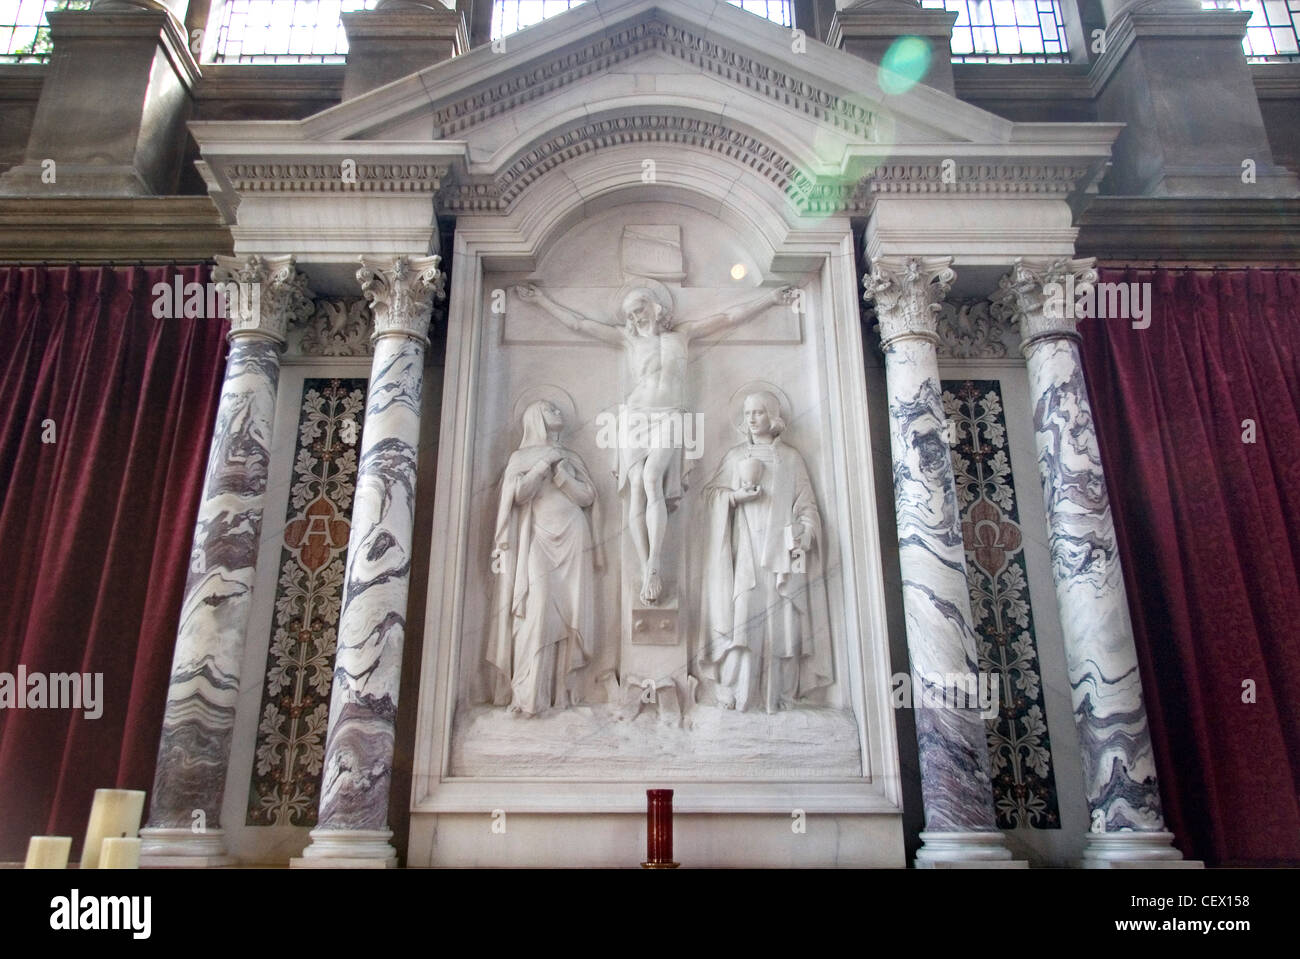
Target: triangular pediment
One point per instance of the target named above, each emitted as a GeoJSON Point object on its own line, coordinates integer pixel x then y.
{"type": "Point", "coordinates": [719, 43]}
{"type": "Point", "coordinates": [811, 120]}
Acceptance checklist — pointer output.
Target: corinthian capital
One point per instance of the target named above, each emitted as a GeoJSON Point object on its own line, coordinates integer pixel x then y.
{"type": "Point", "coordinates": [401, 291]}
{"type": "Point", "coordinates": [908, 292]}
{"type": "Point", "coordinates": [1039, 295]}
{"type": "Point", "coordinates": [263, 295]}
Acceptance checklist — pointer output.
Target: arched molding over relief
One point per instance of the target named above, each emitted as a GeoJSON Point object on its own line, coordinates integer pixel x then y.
{"type": "Point", "coordinates": [593, 181]}
{"type": "Point", "coordinates": [651, 131]}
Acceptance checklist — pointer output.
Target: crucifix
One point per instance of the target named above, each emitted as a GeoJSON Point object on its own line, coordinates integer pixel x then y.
{"type": "Point", "coordinates": [654, 421]}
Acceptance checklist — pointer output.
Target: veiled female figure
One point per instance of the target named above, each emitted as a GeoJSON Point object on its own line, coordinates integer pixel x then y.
{"type": "Point", "coordinates": [544, 555]}
{"type": "Point", "coordinates": [764, 633]}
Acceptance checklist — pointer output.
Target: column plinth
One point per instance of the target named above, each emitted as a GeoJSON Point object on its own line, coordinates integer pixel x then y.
{"type": "Point", "coordinates": [113, 107]}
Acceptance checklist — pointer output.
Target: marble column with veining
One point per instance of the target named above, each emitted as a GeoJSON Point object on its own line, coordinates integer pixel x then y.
{"type": "Point", "coordinates": [264, 296]}
{"type": "Point", "coordinates": [956, 785]}
{"type": "Point", "coordinates": [357, 774]}
{"type": "Point", "coordinates": [1119, 769]}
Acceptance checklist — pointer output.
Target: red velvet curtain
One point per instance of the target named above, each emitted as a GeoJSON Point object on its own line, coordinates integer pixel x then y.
{"type": "Point", "coordinates": [95, 528]}
{"type": "Point", "coordinates": [1209, 532]}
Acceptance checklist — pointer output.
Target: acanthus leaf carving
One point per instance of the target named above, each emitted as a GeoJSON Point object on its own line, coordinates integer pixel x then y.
{"type": "Point", "coordinates": [908, 293]}
{"type": "Point", "coordinates": [968, 330]}
{"type": "Point", "coordinates": [401, 291]}
{"type": "Point", "coordinates": [338, 328]}
{"type": "Point", "coordinates": [271, 294]}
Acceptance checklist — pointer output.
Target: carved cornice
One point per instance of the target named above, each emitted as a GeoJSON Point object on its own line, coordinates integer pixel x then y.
{"type": "Point", "coordinates": [810, 195]}
{"type": "Point", "coordinates": [401, 291]}
{"type": "Point", "coordinates": [329, 177]}
{"type": "Point", "coordinates": [969, 330]}
{"type": "Point", "coordinates": [340, 327]}
{"type": "Point", "coordinates": [908, 293]}
{"type": "Point", "coordinates": [701, 52]}
{"type": "Point", "coordinates": [1038, 295]}
{"type": "Point", "coordinates": [1044, 179]}
{"type": "Point", "coordinates": [271, 294]}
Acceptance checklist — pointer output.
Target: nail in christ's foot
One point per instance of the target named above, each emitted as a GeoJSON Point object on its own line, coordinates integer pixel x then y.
{"type": "Point", "coordinates": [652, 587]}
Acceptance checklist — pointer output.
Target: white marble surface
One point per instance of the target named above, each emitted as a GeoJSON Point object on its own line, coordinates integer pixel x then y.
{"type": "Point", "coordinates": [590, 741]}
{"type": "Point", "coordinates": [492, 362]}
{"type": "Point", "coordinates": [732, 840]}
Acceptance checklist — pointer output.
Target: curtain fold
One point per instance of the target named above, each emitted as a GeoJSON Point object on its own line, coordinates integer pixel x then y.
{"type": "Point", "coordinates": [96, 526]}
{"type": "Point", "coordinates": [1208, 524]}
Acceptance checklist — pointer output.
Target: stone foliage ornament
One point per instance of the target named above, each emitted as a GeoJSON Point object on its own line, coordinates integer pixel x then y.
{"type": "Point", "coordinates": [338, 328]}
{"type": "Point", "coordinates": [970, 330]}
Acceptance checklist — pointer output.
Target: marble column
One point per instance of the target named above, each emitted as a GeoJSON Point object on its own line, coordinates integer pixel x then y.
{"type": "Point", "coordinates": [1119, 769]}
{"type": "Point", "coordinates": [185, 803]}
{"type": "Point", "coordinates": [353, 820]}
{"type": "Point", "coordinates": [956, 785]}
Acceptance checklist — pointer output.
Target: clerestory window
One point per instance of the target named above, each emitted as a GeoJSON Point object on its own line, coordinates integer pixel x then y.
{"type": "Point", "coordinates": [511, 15]}
{"type": "Point", "coordinates": [1006, 31]}
{"type": "Point", "coordinates": [1271, 31]}
{"type": "Point", "coordinates": [24, 34]}
{"type": "Point", "coordinates": [284, 31]}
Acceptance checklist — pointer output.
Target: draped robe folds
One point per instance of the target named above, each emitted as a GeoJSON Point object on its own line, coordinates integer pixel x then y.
{"type": "Point", "coordinates": [545, 595]}
{"type": "Point", "coordinates": [752, 596]}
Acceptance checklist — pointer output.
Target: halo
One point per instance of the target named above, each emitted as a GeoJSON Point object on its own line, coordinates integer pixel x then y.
{"type": "Point", "coordinates": [758, 386]}
{"type": "Point", "coordinates": [660, 292]}
{"type": "Point", "coordinates": [551, 393]}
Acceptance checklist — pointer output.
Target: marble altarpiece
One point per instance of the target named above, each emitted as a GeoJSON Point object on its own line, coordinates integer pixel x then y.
{"type": "Point", "coordinates": [655, 192]}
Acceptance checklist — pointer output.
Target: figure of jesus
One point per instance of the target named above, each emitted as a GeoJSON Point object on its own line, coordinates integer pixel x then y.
{"type": "Point", "coordinates": [656, 350]}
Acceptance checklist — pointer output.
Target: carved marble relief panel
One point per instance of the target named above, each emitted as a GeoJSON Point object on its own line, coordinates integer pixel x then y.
{"type": "Point", "coordinates": [655, 584]}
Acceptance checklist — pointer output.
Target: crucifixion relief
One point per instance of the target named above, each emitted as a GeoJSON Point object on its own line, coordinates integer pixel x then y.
{"type": "Point", "coordinates": [653, 420]}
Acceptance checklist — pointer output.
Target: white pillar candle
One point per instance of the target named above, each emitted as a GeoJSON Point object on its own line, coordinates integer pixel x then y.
{"type": "Point", "coordinates": [119, 853]}
{"type": "Point", "coordinates": [48, 852]}
{"type": "Point", "coordinates": [115, 813]}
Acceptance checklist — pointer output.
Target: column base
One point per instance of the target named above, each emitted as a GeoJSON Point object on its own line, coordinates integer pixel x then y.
{"type": "Point", "coordinates": [965, 850]}
{"type": "Point", "coordinates": [1129, 850]}
{"type": "Point", "coordinates": [181, 848]}
{"type": "Point", "coordinates": [348, 849]}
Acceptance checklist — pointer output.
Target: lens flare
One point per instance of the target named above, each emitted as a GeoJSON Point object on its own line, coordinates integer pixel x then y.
{"type": "Point", "coordinates": [905, 64]}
